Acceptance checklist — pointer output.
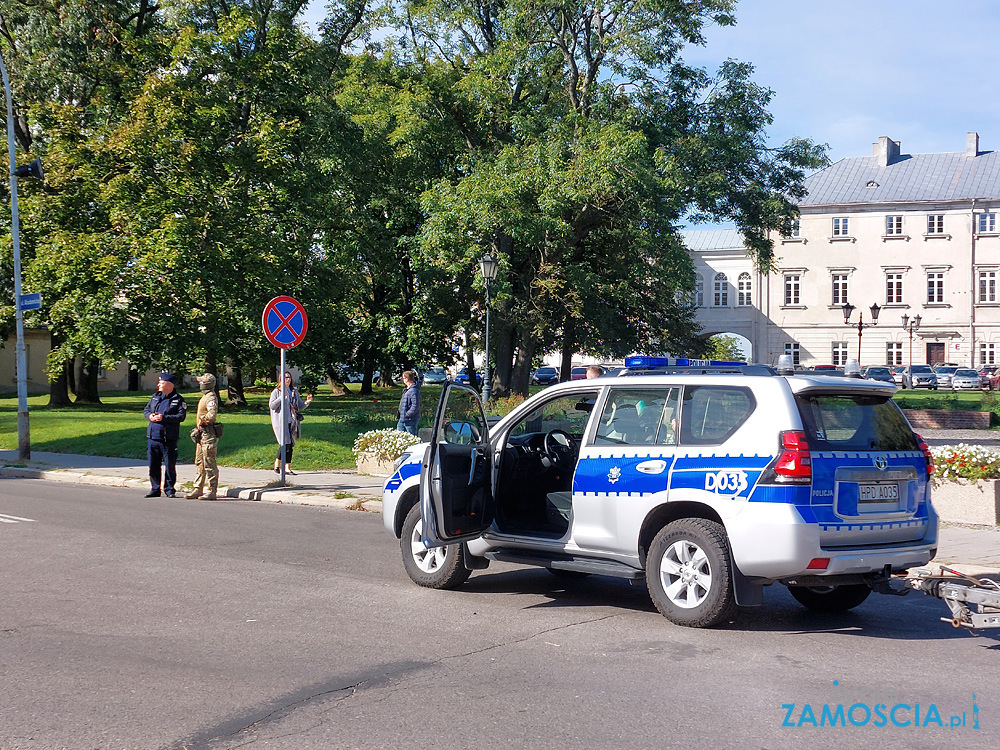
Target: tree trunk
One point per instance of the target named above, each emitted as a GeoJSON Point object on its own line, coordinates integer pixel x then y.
{"type": "Point", "coordinates": [71, 378]}
{"type": "Point", "coordinates": [470, 360]}
{"type": "Point", "coordinates": [86, 392]}
{"type": "Point", "coordinates": [234, 392]}
{"type": "Point", "coordinates": [521, 374]}
{"type": "Point", "coordinates": [366, 379]}
{"type": "Point", "coordinates": [134, 380]}
{"type": "Point", "coordinates": [568, 350]}
{"type": "Point", "coordinates": [59, 387]}
{"type": "Point", "coordinates": [333, 380]}
{"type": "Point", "coordinates": [502, 368]}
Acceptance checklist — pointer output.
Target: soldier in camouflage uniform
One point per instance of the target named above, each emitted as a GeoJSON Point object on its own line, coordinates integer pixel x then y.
{"type": "Point", "coordinates": [206, 440]}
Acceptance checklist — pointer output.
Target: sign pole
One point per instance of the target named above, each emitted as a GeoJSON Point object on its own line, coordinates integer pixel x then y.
{"type": "Point", "coordinates": [284, 415]}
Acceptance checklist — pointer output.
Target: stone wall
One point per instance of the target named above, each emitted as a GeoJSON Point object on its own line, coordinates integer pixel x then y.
{"type": "Point", "coordinates": [942, 419]}
{"type": "Point", "coordinates": [963, 501]}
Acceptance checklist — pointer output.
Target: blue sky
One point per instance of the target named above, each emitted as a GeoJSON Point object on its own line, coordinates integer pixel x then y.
{"type": "Point", "coordinates": [844, 72]}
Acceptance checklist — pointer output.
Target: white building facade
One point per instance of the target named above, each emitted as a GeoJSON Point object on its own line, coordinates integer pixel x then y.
{"type": "Point", "coordinates": [915, 235]}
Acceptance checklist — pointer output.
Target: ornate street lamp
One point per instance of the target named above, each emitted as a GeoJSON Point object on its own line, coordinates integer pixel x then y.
{"type": "Point", "coordinates": [488, 266]}
{"type": "Point", "coordinates": [911, 324]}
{"type": "Point", "coordinates": [848, 309]}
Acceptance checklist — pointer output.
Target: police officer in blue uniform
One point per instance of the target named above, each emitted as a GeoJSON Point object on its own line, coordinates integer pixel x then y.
{"type": "Point", "coordinates": [165, 412]}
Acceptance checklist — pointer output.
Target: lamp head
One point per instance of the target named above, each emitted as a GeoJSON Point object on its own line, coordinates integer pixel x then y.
{"type": "Point", "coordinates": [848, 308]}
{"type": "Point", "coordinates": [489, 265]}
{"type": "Point", "coordinates": [875, 310]}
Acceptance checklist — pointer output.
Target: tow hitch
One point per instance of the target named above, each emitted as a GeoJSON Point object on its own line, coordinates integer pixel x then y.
{"type": "Point", "coordinates": [958, 591]}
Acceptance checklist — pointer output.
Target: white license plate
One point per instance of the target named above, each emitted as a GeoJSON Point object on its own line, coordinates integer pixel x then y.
{"type": "Point", "coordinates": [878, 493]}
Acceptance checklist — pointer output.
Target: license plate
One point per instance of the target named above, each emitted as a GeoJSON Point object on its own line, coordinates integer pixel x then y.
{"type": "Point", "coordinates": [878, 493]}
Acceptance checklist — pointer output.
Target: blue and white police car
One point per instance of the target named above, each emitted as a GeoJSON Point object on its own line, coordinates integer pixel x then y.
{"type": "Point", "coordinates": [708, 482]}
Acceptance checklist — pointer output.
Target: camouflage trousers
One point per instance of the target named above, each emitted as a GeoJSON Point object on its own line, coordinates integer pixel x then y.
{"type": "Point", "coordinates": [206, 464]}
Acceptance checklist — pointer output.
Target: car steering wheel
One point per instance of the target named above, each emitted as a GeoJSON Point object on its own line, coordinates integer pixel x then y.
{"type": "Point", "coordinates": [561, 455]}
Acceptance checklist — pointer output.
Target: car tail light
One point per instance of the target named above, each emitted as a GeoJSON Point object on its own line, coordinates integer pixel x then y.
{"type": "Point", "coordinates": [927, 455]}
{"type": "Point", "coordinates": [794, 464]}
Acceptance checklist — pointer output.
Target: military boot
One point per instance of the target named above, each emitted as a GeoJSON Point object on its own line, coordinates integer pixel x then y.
{"type": "Point", "coordinates": [193, 494]}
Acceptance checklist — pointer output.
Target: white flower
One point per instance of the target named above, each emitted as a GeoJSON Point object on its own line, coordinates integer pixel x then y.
{"type": "Point", "coordinates": [384, 445]}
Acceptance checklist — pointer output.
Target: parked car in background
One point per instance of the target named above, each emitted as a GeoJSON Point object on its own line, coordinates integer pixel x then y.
{"type": "Point", "coordinates": [463, 377]}
{"type": "Point", "coordinates": [944, 374]}
{"type": "Point", "coordinates": [821, 368]}
{"type": "Point", "coordinates": [965, 379]}
{"type": "Point", "coordinates": [988, 376]}
{"type": "Point", "coordinates": [899, 377]}
{"type": "Point", "coordinates": [921, 376]}
{"type": "Point", "coordinates": [578, 373]}
{"type": "Point", "coordinates": [877, 372]}
{"type": "Point", "coordinates": [545, 376]}
{"type": "Point", "coordinates": [435, 375]}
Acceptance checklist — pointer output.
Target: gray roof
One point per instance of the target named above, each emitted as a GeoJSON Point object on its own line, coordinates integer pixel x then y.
{"type": "Point", "coordinates": [910, 177]}
{"type": "Point", "coordinates": [712, 239]}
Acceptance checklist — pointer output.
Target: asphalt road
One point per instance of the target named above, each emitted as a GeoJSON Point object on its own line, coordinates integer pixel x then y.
{"type": "Point", "coordinates": [130, 623]}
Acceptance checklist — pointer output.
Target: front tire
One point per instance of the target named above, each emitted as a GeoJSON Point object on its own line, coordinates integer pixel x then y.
{"type": "Point", "coordinates": [689, 573]}
{"type": "Point", "coordinates": [830, 599]}
{"type": "Point", "coordinates": [434, 567]}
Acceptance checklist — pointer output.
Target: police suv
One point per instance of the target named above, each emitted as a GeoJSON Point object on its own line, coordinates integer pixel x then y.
{"type": "Point", "coordinates": [708, 482]}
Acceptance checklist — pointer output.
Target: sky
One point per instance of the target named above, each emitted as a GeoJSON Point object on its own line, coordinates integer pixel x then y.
{"type": "Point", "coordinates": [844, 72]}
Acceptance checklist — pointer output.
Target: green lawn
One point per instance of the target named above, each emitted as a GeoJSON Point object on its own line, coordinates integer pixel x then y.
{"type": "Point", "coordinates": [118, 428]}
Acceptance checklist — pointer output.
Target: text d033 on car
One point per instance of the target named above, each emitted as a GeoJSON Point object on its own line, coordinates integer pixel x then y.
{"type": "Point", "coordinates": [709, 483]}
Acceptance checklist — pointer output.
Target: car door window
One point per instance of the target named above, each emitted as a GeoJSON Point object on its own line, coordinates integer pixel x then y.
{"type": "Point", "coordinates": [639, 416]}
{"type": "Point", "coordinates": [710, 414]}
{"type": "Point", "coordinates": [569, 413]}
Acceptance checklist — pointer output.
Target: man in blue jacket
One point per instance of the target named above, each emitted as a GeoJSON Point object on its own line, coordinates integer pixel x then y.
{"type": "Point", "coordinates": [165, 412]}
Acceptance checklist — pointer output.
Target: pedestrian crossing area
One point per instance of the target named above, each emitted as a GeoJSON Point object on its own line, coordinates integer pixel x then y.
{"type": "Point", "coordinates": [15, 519]}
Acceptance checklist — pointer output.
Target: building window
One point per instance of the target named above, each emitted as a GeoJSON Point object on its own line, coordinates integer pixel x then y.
{"type": "Point", "coordinates": [893, 224]}
{"type": "Point", "coordinates": [935, 224]}
{"type": "Point", "coordinates": [894, 353]}
{"type": "Point", "coordinates": [791, 289]}
{"type": "Point", "coordinates": [721, 297]}
{"type": "Point", "coordinates": [987, 354]}
{"type": "Point", "coordinates": [840, 226]}
{"type": "Point", "coordinates": [987, 286]}
{"type": "Point", "coordinates": [893, 288]}
{"type": "Point", "coordinates": [792, 349]}
{"type": "Point", "coordinates": [839, 354]}
{"type": "Point", "coordinates": [699, 291]}
{"type": "Point", "coordinates": [790, 228]}
{"type": "Point", "coordinates": [743, 288]}
{"type": "Point", "coordinates": [935, 286]}
{"type": "Point", "coordinates": [987, 223]}
{"type": "Point", "coordinates": [840, 289]}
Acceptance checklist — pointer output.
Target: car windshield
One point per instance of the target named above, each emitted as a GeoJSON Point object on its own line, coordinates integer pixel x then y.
{"type": "Point", "coordinates": [546, 371]}
{"type": "Point", "coordinates": [854, 422]}
{"type": "Point", "coordinates": [878, 370]}
{"type": "Point", "coordinates": [945, 370]}
{"type": "Point", "coordinates": [923, 370]}
{"type": "Point", "coordinates": [966, 374]}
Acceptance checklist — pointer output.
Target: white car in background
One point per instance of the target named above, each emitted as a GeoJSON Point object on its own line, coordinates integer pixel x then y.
{"type": "Point", "coordinates": [966, 379]}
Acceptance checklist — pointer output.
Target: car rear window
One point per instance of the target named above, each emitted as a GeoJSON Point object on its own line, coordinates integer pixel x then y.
{"type": "Point", "coordinates": [839, 422]}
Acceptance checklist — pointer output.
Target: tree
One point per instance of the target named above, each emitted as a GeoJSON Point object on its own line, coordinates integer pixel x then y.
{"type": "Point", "coordinates": [725, 348]}
{"type": "Point", "coordinates": [587, 143]}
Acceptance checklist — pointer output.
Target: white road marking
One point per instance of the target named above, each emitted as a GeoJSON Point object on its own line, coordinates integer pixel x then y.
{"type": "Point", "coordinates": [14, 519]}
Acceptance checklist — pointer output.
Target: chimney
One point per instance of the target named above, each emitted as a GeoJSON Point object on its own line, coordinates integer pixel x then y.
{"type": "Point", "coordinates": [886, 150]}
{"type": "Point", "coordinates": [972, 144]}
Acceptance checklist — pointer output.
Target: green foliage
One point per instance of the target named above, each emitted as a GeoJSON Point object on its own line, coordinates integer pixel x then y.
{"type": "Point", "coordinates": [725, 348]}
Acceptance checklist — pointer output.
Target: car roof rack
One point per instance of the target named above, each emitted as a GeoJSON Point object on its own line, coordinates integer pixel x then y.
{"type": "Point", "coordinates": [732, 369]}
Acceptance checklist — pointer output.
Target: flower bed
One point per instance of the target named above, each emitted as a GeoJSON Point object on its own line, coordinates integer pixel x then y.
{"type": "Point", "coordinates": [965, 488]}
{"type": "Point", "coordinates": [377, 450]}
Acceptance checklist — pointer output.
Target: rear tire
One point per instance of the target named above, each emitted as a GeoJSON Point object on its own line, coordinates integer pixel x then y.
{"type": "Point", "coordinates": [830, 599]}
{"type": "Point", "coordinates": [689, 573]}
{"type": "Point", "coordinates": [433, 567]}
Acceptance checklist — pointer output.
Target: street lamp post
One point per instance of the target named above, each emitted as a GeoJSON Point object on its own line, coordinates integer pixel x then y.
{"type": "Point", "coordinates": [911, 324]}
{"type": "Point", "coordinates": [488, 265]}
{"type": "Point", "coordinates": [848, 308]}
{"type": "Point", "coordinates": [35, 169]}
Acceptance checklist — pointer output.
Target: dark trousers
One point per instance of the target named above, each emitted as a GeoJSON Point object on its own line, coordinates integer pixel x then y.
{"type": "Point", "coordinates": [162, 454]}
{"type": "Point", "coordinates": [288, 454]}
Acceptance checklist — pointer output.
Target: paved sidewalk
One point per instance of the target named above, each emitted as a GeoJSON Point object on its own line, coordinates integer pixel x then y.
{"type": "Point", "coordinates": [340, 489]}
{"type": "Point", "coordinates": [971, 549]}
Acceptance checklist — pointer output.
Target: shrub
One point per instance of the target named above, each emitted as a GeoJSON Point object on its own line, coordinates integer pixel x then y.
{"type": "Point", "coordinates": [501, 407]}
{"type": "Point", "coordinates": [963, 461]}
{"type": "Point", "coordinates": [385, 445]}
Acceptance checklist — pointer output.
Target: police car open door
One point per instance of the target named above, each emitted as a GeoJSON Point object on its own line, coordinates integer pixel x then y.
{"type": "Point", "coordinates": [456, 477]}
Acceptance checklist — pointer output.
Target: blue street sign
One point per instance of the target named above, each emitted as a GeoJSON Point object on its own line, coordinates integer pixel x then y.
{"type": "Point", "coordinates": [31, 301]}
